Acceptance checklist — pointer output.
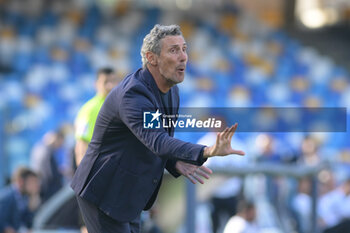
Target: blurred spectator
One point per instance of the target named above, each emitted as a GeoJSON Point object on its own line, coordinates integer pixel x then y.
{"type": "Point", "coordinates": [225, 197]}
{"type": "Point", "coordinates": [309, 151]}
{"type": "Point", "coordinates": [148, 224]}
{"type": "Point", "coordinates": [301, 205]}
{"type": "Point", "coordinates": [44, 163]}
{"type": "Point", "coordinates": [19, 201]}
{"type": "Point", "coordinates": [85, 121]}
{"type": "Point", "coordinates": [272, 148]}
{"type": "Point", "coordinates": [266, 149]}
{"type": "Point", "coordinates": [244, 220]}
{"type": "Point", "coordinates": [334, 209]}
{"type": "Point", "coordinates": [224, 202]}
{"type": "Point", "coordinates": [327, 182]}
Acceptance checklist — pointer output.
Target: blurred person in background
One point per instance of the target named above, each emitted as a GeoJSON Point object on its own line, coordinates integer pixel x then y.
{"type": "Point", "coordinates": [301, 205]}
{"type": "Point", "coordinates": [122, 170]}
{"type": "Point", "coordinates": [148, 224]}
{"type": "Point", "coordinates": [334, 209]}
{"type": "Point", "coordinates": [19, 201]}
{"type": "Point", "coordinates": [244, 220]}
{"type": "Point", "coordinates": [267, 150]}
{"type": "Point", "coordinates": [85, 122]}
{"type": "Point", "coordinates": [327, 181]}
{"type": "Point", "coordinates": [224, 202]}
{"type": "Point", "coordinates": [309, 151]}
{"type": "Point", "coordinates": [226, 195]}
{"type": "Point", "coordinates": [43, 162]}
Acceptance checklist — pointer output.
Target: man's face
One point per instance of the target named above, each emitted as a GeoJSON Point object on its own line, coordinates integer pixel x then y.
{"type": "Point", "coordinates": [346, 187]}
{"type": "Point", "coordinates": [31, 185]}
{"type": "Point", "coordinates": [105, 83]}
{"type": "Point", "coordinates": [251, 214]}
{"type": "Point", "coordinates": [172, 59]}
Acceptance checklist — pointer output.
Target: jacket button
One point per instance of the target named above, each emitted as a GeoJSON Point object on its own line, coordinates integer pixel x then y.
{"type": "Point", "coordinates": [155, 181]}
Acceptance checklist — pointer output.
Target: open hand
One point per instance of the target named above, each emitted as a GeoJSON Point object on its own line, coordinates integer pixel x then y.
{"type": "Point", "coordinates": [222, 145]}
{"type": "Point", "coordinates": [193, 172]}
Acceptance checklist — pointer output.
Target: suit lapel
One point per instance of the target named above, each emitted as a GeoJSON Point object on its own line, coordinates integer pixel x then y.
{"type": "Point", "coordinates": [173, 101]}
{"type": "Point", "coordinates": [173, 107]}
{"type": "Point", "coordinates": [149, 80]}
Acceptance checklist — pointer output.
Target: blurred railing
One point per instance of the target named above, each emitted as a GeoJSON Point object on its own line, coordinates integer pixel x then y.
{"type": "Point", "coordinates": [2, 154]}
{"type": "Point", "coordinates": [293, 171]}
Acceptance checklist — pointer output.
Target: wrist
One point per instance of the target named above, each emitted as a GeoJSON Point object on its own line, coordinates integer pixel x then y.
{"type": "Point", "coordinates": [177, 166]}
{"type": "Point", "coordinates": [206, 152]}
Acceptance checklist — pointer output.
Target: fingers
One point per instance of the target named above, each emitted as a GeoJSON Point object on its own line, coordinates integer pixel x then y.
{"type": "Point", "coordinates": [193, 172]}
{"type": "Point", "coordinates": [233, 129]}
{"type": "Point", "coordinates": [227, 133]}
{"type": "Point", "coordinates": [191, 178]}
{"type": "Point", "coordinates": [206, 169]}
{"type": "Point", "coordinates": [218, 138]}
{"type": "Point", "coordinates": [222, 135]}
{"type": "Point", "coordinates": [203, 174]}
{"type": "Point", "coordinates": [238, 152]}
{"type": "Point", "coordinates": [197, 174]}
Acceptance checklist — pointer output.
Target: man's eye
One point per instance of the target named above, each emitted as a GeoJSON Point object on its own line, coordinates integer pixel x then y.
{"type": "Point", "coordinates": [173, 50]}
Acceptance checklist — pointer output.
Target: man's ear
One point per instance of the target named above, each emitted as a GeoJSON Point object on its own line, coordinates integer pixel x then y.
{"type": "Point", "coordinates": [151, 58]}
{"type": "Point", "coordinates": [20, 184]}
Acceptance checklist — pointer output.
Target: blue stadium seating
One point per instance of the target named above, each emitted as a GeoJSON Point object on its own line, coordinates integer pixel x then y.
{"type": "Point", "coordinates": [51, 71]}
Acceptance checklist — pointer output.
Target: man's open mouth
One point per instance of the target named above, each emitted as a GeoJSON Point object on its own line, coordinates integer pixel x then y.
{"type": "Point", "coordinates": [181, 68]}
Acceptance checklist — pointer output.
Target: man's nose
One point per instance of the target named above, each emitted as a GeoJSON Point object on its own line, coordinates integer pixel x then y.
{"type": "Point", "coordinates": [183, 56]}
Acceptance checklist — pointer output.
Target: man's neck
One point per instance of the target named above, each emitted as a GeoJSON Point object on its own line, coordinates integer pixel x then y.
{"type": "Point", "coordinates": [162, 84]}
{"type": "Point", "coordinates": [101, 95]}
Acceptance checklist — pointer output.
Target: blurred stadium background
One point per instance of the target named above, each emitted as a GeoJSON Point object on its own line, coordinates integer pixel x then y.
{"type": "Point", "coordinates": [277, 53]}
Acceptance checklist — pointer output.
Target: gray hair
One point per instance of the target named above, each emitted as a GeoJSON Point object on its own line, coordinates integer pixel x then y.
{"type": "Point", "coordinates": [151, 42]}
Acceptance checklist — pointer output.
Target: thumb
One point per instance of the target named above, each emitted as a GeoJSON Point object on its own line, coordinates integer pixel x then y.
{"type": "Point", "coordinates": [238, 152]}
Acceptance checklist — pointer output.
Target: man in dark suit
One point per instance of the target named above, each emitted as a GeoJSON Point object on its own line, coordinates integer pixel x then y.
{"type": "Point", "coordinates": [121, 172]}
{"type": "Point", "coordinates": [19, 201]}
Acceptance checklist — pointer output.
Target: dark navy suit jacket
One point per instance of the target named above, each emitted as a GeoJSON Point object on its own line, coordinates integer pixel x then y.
{"type": "Point", "coordinates": [123, 167]}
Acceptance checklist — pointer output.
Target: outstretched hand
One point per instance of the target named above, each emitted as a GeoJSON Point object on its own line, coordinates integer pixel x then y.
{"type": "Point", "coordinates": [193, 172]}
{"type": "Point", "coordinates": [222, 145]}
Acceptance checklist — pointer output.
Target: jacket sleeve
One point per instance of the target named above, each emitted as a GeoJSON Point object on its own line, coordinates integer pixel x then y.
{"type": "Point", "coordinates": [170, 167]}
{"type": "Point", "coordinates": [132, 105]}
